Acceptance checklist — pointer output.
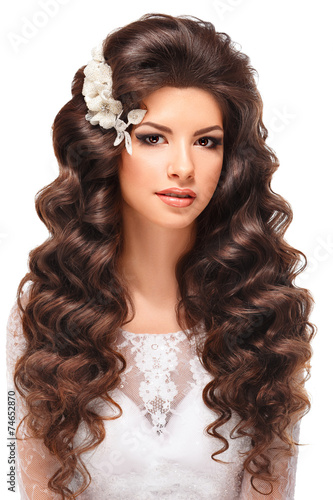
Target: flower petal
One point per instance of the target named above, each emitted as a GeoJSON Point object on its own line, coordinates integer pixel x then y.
{"type": "Point", "coordinates": [104, 73]}
{"type": "Point", "coordinates": [89, 116]}
{"type": "Point", "coordinates": [89, 88]}
{"type": "Point", "coordinates": [119, 138]}
{"type": "Point", "coordinates": [94, 119]}
{"type": "Point", "coordinates": [136, 116]}
{"type": "Point", "coordinates": [108, 120]}
{"type": "Point", "coordinates": [116, 106]}
{"type": "Point", "coordinates": [91, 69]}
{"type": "Point", "coordinates": [98, 71]}
{"type": "Point", "coordinates": [105, 94]}
{"type": "Point", "coordinates": [128, 142]}
{"type": "Point", "coordinates": [94, 104]}
{"type": "Point", "coordinates": [97, 53]}
{"type": "Point", "coordinates": [120, 125]}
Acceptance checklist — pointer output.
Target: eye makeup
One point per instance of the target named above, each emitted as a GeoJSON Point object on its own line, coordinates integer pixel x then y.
{"type": "Point", "coordinates": [154, 140]}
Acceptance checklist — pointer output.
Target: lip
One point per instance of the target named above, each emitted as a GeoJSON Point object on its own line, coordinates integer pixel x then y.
{"type": "Point", "coordinates": [175, 202]}
{"type": "Point", "coordinates": [175, 190]}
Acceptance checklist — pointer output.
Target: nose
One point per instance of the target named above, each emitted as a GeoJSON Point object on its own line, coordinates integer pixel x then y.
{"type": "Point", "coordinates": [181, 162]}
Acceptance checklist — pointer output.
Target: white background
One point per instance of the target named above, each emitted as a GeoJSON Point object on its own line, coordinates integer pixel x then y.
{"type": "Point", "coordinates": [289, 44]}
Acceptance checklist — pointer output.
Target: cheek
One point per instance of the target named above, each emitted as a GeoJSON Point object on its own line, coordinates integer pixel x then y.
{"type": "Point", "coordinates": [210, 177]}
{"type": "Point", "coordinates": [127, 180]}
{"type": "Point", "coordinates": [135, 176]}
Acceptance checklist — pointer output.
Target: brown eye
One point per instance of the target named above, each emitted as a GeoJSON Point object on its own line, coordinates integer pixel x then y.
{"type": "Point", "coordinates": [150, 139]}
{"type": "Point", "coordinates": [203, 141]}
{"type": "Point", "coordinates": [209, 142]}
{"type": "Point", "coordinates": [153, 139]}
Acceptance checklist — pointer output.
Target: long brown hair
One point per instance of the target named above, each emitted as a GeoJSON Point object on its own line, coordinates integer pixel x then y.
{"type": "Point", "coordinates": [240, 271]}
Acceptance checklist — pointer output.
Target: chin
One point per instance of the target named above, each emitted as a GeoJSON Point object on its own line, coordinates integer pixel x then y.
{"type": "Point", "coordinates": [180, 224]}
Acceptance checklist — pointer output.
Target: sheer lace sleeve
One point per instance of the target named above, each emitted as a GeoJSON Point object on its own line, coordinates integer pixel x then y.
{"type": "Point", "coordinates": [33, 462]}
{"type": "Point", "coordinates": [284, 487]}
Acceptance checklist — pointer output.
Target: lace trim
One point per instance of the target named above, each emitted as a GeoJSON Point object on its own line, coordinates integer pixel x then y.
{"type": "Point", "coordinates": [16, 342]}
{"type": "Point", "coordinates": [200, 376]}
{"type": "Point", "coordinates": [15, 347]}
{"type": "Point", "coordinates": [131, 334]}
{"type": "Point", "coordinates": [155, 355]}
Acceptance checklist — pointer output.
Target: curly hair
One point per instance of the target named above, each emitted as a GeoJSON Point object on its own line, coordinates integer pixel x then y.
{"type": "Point", "coordinates": [238, 278]}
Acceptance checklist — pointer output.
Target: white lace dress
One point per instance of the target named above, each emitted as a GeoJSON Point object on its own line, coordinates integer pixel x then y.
{"type": "Point", "coordinates": [158, 448]}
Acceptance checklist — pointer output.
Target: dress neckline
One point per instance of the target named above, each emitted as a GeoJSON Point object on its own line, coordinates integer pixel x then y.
{"type": "Point", "coordinates": [176, 334]}
{"type": "Point", "coordinates": [179, 332]}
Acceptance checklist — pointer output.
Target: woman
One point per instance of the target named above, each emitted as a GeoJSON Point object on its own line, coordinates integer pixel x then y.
{"type": "Point", "coordinates": [161, 346]}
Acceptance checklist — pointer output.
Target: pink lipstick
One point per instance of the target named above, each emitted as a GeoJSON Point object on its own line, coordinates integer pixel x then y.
{"type": "Point", "coordinates": [177, 197]}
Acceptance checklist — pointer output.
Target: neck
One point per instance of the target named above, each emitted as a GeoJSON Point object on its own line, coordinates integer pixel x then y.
{"type": "Point", "coordinates": [150, 255]}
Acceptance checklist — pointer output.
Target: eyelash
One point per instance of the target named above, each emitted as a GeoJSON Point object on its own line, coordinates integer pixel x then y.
{"type": "Point", "coordinates": [144, 139]}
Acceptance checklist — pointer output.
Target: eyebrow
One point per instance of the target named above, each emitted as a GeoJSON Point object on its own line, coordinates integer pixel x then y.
{"type": "Point", "coordinates": [167, 129]}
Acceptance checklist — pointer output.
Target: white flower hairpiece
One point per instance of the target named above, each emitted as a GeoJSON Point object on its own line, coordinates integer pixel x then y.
{"type": "Point", "coordinates": [103, 109]}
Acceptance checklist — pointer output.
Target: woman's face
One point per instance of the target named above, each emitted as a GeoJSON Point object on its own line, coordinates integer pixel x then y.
{"type": "Point", "coordinates": [178, 144]}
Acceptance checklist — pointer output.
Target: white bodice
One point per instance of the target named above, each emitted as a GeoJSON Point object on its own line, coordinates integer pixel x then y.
{"type": "Point", "coordinates": [158, 447]}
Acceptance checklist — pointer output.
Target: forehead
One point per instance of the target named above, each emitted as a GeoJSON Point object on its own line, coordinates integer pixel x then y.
{"type": "Point", "coordinates": [173, 104]}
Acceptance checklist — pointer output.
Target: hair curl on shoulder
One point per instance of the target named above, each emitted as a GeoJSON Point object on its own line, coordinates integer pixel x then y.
{"type": "Point", "coordinates": [238, 278]}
